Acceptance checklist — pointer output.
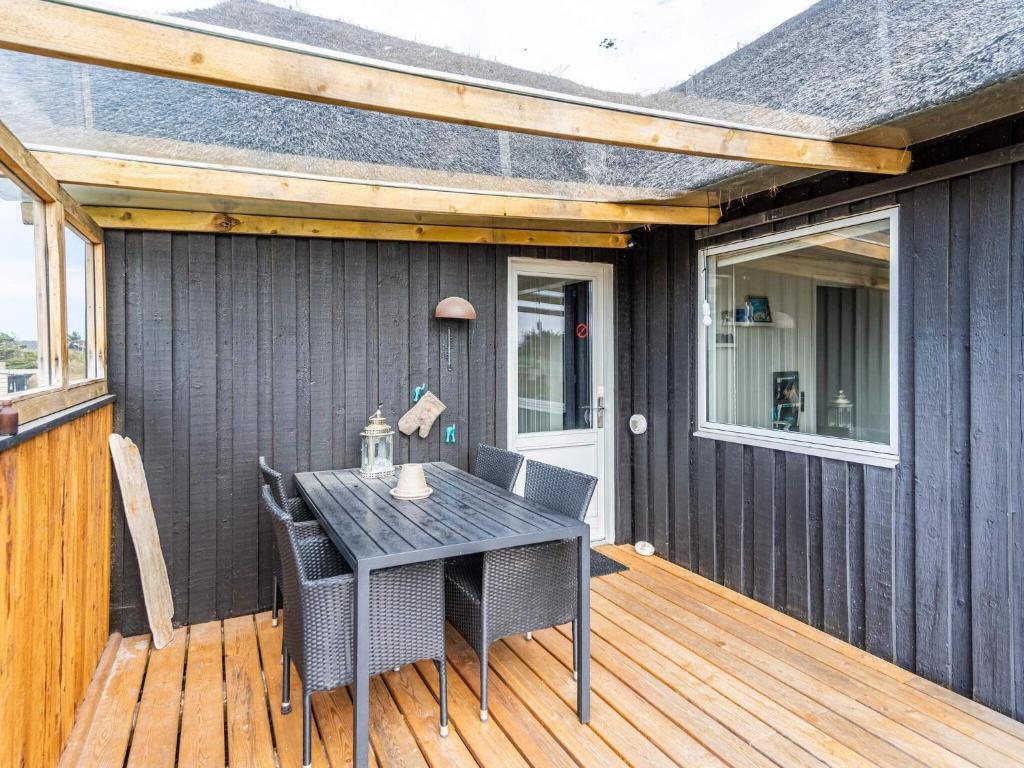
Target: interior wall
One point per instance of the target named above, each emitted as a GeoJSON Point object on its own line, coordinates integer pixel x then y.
{"type": "Point", "coordinates": [924, 564]}
{"type": "Point", "coordinates": [226, 347]}
{"type": "Point", "coordinates": [55, 536]}
{"type": "Point", "coordinates": [765, 348]}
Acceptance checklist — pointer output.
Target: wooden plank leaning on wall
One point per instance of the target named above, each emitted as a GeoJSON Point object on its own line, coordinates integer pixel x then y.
{"type": "Point", "coordinates": [55, 583]}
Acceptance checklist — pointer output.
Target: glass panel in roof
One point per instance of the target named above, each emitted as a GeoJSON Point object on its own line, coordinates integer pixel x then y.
{"type": "Point", "coordinates": [58, 104]}
{"type": "Point", "coordinates": [826, 69]}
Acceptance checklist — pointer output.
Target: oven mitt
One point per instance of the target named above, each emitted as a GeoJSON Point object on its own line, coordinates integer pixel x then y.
{"type": "Point", "coordinates": [422, 415]}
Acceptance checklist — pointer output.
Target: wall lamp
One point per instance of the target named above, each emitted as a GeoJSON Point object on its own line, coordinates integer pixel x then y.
{"type": "Point", "coordinates": [453, 308]}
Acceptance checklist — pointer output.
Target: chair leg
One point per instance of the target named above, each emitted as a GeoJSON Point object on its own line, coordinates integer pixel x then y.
{"type": "Point", "coordinates": [307, 728]}
{"type": "Point", "coordinates": [442, 672]}
{"type": "Point", "coordinates": [274, 605]}
{"type": "Point", "coordinates": [286, 681]}
{"type": "Point", "coordinates": [483, 684]}
{"type": "Point", "coordinates": [575, 651]}
{"type": "Point", "coordinates": [529, 635]}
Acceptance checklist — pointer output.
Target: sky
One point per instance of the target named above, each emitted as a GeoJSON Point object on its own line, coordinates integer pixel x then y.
{"type": "Point", "coordinates": [630, 46]}
{"type": "Point", "coordinates": [18, 267]}
{"type": "Point", "coordinates": [18, 271]}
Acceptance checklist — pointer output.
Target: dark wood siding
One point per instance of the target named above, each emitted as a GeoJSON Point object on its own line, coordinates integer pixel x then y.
{"type": "Point", "coordinates": [225, 347]}
{"type": "Point", "coordinates": [924, 564]}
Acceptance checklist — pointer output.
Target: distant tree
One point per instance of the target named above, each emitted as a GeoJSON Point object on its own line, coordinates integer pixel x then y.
{"type": "Point", "coordinates": [15, 355]}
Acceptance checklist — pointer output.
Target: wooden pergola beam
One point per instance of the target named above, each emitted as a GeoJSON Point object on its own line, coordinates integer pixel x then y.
{"type": "Point", "coordinates": [173, 178]}
{"type": "Point", "coordinates": [42, 184]}
{"type": "Point", "coordinates": [138, 45]}
{"type": "Point", "coordinates": [247, 224]}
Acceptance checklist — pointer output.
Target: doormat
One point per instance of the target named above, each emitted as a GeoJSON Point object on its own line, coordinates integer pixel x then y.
{"type": "Point", "coordinates": [602, 565]}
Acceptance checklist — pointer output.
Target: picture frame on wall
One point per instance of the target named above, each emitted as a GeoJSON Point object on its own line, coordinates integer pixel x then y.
{"type": "Point", "coordinates": [758, 309]}
{"type": "Point", "coordinates": [786, 401]}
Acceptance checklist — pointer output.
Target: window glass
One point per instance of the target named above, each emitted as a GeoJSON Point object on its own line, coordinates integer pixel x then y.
{"type": "Point", "coordinates": [76, 266]}
{"type": "Point", "coordinates": [24, 327]}
{"type": "Point", "coordinates": [799, 334]}
{"type": "Point", "coordinates": [554, 354]}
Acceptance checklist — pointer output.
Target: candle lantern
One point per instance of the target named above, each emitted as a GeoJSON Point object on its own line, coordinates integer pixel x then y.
{"type": "Point", "coordinates": [378, 447]}
{"type": "Point", "coordinates": [840, 414]}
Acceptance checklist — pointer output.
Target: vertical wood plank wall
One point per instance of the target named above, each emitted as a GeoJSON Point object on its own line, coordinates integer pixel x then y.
{"type": "Point", "coordinates": [223, 347]}
{"type": "Point", "coordinates": [55, 540]}
{"type": "Point", "coordinates": [922, 565]}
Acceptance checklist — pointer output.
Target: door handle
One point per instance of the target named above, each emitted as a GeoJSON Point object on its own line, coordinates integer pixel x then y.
{"type": "Point", "coordinates": [600, 411]}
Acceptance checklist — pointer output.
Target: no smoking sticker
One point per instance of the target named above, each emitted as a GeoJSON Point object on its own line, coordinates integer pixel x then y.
{"type": "Point", "coordinates": [582, 331]}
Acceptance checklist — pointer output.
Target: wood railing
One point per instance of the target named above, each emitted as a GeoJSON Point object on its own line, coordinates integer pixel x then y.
{"type": "Point", "coordinates": [54, 582]}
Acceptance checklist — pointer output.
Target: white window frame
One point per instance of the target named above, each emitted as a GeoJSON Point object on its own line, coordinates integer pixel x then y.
{"type": "Point", "coordinates": [824, 446]}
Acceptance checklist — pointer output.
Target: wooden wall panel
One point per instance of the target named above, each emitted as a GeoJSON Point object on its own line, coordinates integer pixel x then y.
{"type": "Point", "coordinates": [232, 346]}
{"type": "Point", "coordinates": [991, 539]}
{"type": "Point", "coordinates": [54, 585]}
{"type": "Point", "coordinates": [923, 564]}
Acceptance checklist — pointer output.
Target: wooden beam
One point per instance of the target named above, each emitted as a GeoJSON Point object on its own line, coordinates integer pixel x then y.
{"type": "Point", "coordinates": [60, 137]}
{"type": "Point", "coordinates": [163, 177]}
{"type": "Point", "coordinates": [203, 221]}
{"type": "Point", "coordinates": [24, 166]}
{"type": "Point", "coordinates": [171, 50]}
{"type": "Point", "coordinates": [107, 197]}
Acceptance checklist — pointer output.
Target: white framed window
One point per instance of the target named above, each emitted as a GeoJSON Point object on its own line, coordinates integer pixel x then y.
{"type": "Point", "coordinates": [798, 340]}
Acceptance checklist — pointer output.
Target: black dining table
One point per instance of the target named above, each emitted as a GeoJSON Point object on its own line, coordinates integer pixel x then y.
{"type": "Point", "coordinates": [464, 515]}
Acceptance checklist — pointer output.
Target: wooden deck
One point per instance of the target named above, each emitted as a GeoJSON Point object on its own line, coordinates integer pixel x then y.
{"type": "Point", "coordinates": [685, 672]}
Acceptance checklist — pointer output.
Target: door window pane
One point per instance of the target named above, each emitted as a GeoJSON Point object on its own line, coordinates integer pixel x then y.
{"type": "Point", "coordinates": [799, 340]}
{"type": "Point", "coordinates": [554, 354]}
{"type": "Point", "coordinates": [76, 265]}
{"type": "Point", "coordinates": [24, 326]}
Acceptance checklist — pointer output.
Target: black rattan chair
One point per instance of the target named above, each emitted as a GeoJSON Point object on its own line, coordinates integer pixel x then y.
{"type": "Point", "coordinates": [406, 616]}
{"type": "Point", "coordinates": [498, 466]}
{"type": "Point", "coordinates": [299, 512]}
{"type": "Point", "coordinates": [521, 589]}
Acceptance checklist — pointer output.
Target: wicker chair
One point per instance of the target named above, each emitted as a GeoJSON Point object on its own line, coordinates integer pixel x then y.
{"type": "Point", "coordinates": [521, 589]}
{"type": "Point", "coordinates": [406, 617]}
{"type": "Point", "coordinates": [299, 512]}
{"type": "Point", "coordinates": [497, 466]}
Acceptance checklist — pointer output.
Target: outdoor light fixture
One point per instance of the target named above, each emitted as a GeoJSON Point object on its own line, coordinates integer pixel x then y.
{"type": "Point", "coordinates": [453, 308]}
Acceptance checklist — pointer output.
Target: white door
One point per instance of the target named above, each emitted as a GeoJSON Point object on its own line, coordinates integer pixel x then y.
{"type": "Point", "coordinates": [561, 374]}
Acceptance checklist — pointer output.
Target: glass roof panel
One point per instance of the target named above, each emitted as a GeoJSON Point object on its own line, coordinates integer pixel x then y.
{"type": "Point", "coordinates": [825, 69]}
{"type": "Point", "coordinates": [59, 104]}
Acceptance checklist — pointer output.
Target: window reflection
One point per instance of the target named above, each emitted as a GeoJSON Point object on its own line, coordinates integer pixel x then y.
{"type": "Point", "coordinates": [554, 354]}
{"type": "Point", "coordinates": [799, 340]}
{"type": "Point", "coordinates": [76, 265]}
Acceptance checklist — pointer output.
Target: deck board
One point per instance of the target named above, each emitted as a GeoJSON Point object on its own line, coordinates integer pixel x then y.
{"type": "Point", "coordinates": [111, 729]}
{"type": "Point", "coordinates": [684, 673]}
{"type": "Point", "coordinates": [248, 731]}
{"type": "Point", "coordinates": [155, 741]}
{"type": "Point", "coordinates": [201, 744]}
{"type": "Point", "coordinates": [287, 729]}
